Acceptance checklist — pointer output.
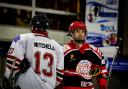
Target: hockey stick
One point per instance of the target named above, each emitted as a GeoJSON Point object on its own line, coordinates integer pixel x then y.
{"type": "Point", "coordinates": [8, 83]}
{"type": "Point", "coordinates": [110, 70]}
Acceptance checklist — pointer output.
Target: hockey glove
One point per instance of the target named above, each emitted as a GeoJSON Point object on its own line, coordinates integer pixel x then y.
{"type": "Point", "coordinates": [24, 65]}
{"type": "Point", "coordinates": [95, 70]}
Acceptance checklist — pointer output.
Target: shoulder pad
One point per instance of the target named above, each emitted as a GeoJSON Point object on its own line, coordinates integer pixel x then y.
{"type": "Point", "coordinates": [66, 47]}
{"type": "Point", "coordinates": [96, 50]}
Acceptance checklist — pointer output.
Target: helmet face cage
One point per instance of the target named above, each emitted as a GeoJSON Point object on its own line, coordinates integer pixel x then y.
{"type": "Point", "coordinates": [39, 23]}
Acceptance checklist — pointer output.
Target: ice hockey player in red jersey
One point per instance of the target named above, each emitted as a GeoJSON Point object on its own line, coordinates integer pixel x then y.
{"type": "Point", "coordinates": [35, 60]}
{"type": "Point", "coordinates": [82, 61]}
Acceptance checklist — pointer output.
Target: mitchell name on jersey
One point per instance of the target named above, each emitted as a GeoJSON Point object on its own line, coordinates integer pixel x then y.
{"type": "Point", "coordinates": [43, 45]}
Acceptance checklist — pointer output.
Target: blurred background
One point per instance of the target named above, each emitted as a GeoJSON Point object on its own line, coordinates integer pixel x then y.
{"type": "Point", "coordinates": [106, 22]}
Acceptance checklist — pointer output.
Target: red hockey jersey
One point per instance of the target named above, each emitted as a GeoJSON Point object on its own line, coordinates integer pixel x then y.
{"type": "Point", "coordinates": [79, 63]}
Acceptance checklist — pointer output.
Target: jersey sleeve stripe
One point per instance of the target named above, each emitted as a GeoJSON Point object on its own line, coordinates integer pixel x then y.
{"type": "Point", "coordinates": [60, 71]}
{"type": "Point", "coordinates": [13, 57]}
{"type": "Point", "coordinates": [104, 71]}
{"type": "Point", "coordinates": [11, 63]}
{"type": "Point", "coordinates": [11, 67]}
{"type": "Point", "coordinates": [59, 75]}
{"type": "Point", "coordinates": [70, 73]}
{"type": "Point", "coordinates": [59, 79]}
{"type": "Point", "coordinates": [100, 56]}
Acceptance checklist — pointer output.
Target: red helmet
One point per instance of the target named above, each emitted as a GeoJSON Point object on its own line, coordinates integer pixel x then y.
{"type": "Point", "coordinates": [76, 24]}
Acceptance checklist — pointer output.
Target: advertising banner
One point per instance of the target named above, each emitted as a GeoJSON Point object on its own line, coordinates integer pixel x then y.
{"type": "Point", "coordinates": [101, 18]}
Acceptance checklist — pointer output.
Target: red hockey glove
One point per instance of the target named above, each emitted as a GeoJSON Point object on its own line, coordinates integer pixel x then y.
{"type": "Point", "coordinates": [95, 70]}
{"type": "Point", "coordinates": [102, 83]}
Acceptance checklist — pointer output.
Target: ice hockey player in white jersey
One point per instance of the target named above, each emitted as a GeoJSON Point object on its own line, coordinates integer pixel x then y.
{"type": "Point", "coordinates": [34, 60]}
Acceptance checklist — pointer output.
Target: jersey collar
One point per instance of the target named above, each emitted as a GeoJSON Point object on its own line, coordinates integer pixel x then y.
{"type": "Point", "coordinates": [82, 49]}
{"type": "Point", "coordinates": [44, 34]}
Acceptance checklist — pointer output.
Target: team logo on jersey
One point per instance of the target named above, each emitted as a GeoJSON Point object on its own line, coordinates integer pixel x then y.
{"type": "Point", "coordinates": [16, 38]}
{"type": "Point", "coordinates": [72, 57]}
{"type": "Point", "coordinates": [83, 68]}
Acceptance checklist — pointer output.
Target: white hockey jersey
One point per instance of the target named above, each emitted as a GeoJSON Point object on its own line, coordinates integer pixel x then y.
{"type": "Point", "coordinates": [46, 58]}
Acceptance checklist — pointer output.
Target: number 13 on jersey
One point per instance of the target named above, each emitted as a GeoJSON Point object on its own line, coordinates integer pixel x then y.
{"type": "Point", "coordinates": [46, 57]}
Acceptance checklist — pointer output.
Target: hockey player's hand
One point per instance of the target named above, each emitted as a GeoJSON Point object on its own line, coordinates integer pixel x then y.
{"type": "Point", "coordinates": [95, 70]}
{"type": "Point", "coordinates": [24, 65]}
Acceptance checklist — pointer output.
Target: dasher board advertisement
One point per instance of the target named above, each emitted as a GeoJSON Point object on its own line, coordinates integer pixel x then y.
{"type": "Point", "coordinates": [101, 17]}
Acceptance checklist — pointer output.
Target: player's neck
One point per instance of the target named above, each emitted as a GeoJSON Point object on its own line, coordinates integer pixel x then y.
{"type": "Point", "coordinates": [79, 45]}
